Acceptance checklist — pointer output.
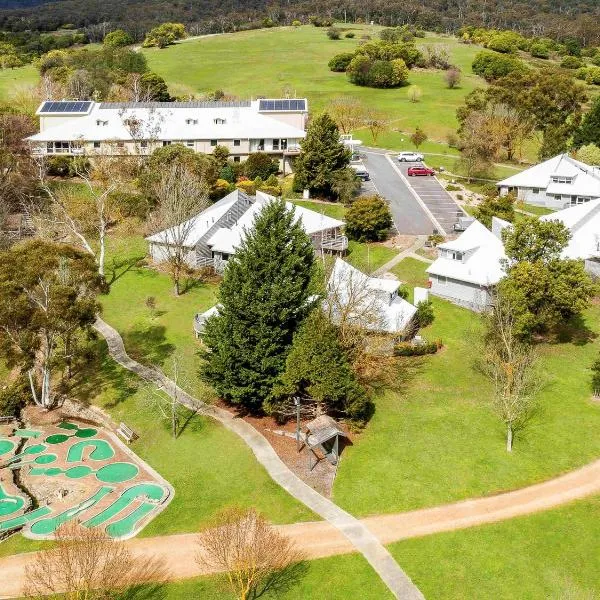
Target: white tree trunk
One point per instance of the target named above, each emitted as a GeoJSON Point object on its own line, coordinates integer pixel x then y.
{"type": "Point", "coordinates": [509, 438]}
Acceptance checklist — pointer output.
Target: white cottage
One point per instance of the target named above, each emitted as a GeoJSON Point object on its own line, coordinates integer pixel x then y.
{"type": "Point", "coordinates": [468, 267]}
{"type": "Point", "coordinates": [214, 235]}
{"type": "Point", "coordinates": [556, 183]}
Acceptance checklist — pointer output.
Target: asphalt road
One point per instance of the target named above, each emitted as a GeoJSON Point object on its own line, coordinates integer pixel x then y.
{"type": "Point", "coordinates": [409, 216]}
{"type": "Point", "coordinates": [439, 202]}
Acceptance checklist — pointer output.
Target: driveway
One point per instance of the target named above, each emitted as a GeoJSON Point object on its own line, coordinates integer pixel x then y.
{"type": "Point", "coordinates": [437, 200]}
{"type": "Point", "coordinates": [409, 215]}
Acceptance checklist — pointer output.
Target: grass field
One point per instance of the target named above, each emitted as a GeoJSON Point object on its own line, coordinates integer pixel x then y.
{"type": "Point", "coordinates": [10, 79]}
{"type": "Point", "coordinates": [552, 555]}
{"type": "Point", "coordinates": [434, 438]}
{"type": "Point", "coordinates": [273, 62]}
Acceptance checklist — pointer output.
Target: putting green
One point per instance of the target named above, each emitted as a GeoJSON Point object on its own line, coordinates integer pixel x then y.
{"type": "Point", "coordinates": [117, 472]}
{"type": "Point", "coordinates": [6, 446]}
{"type": "Point", "coordinates": [101, 450]}
{"type": "Point", "coordinates": [57, 438]}
{"type": "Point", "coordinates": [45, 459]}
{"type": "Point", "coordinates": [86, 433]}
{"type": "Point", "coordinates": [78, 472]}
{"type": "Point", "coordinates": [35, 449]}
{"type": "Point", "coordinates": [67, 425]}
{"type": "Point", "coordinates": [27, 433]}
{"type": "Point", "coordinates": [10, 504]}
{"type": "Point", "coordinates": [23, 519]}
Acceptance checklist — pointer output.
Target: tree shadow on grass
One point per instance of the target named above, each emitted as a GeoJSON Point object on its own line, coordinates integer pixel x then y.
{"type": "Point", "coordinates": [97, 372]}
{"type": "Point", "coordinates": [575, 331]}
{"type": "Point", "coordinates": [280, 582]}
{"type": "Point", "coordinates": [119, 267]}
{"type": "Point", "coordinates": [147, 343]}
{"type": "Point", "coordinates": [146, 591]}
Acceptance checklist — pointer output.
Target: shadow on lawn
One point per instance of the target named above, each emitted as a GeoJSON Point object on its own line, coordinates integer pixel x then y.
{"type": "Point", "coordinates": [147, 343]}
{"type": "Point", "coordinates": [576, 332]}
{"type": "Point", "coordinates": [117, 268]}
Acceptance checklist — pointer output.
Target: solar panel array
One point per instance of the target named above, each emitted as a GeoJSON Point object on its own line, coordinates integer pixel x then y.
{"type": "Point", "coordinates": [65, 107]}
{"type": "Point", "coordinates": [266, 105]}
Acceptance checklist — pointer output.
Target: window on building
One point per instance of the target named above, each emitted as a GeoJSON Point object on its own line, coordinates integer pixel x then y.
{"type": "Point", "coordinates": [214, 142]}
{"type": "Point", "coordinates": [143, 144]}
{"type": "Point", "coordinates": [190, 143]}
{"type": "Point", "coordinates": [96, 145]}
{"type": "Point", "coordinates": [236, 159]}
{"type": "Point", "coordinates": [575, 200]}
{"type": "Point", "coordinates": [191, 121]}
{"type": "Point", "coordinates": [166, 143]}
{"type": "Point", "coordinates": [442, 280]}
{"type": "Point", "coordinates": [562, 179]}
{"type": "Point", "coordinates": [219, 121]}
{"type": "Point", "coordinates": [120, 144]}
{"type": "Point", "coordinates": [284, 144]}
{"type": "Point", "coordinates": [536, 190]}
{"type": "Point", "coordinates": [237, 142]}
{"type": "Point", "coordinates": [261, 145]}
{"type": "Point", "coordinates": [275, 144]}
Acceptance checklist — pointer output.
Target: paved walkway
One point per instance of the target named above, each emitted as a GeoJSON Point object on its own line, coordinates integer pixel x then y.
{"type": "Point", "coordinates": [322, 539]}
{"type": "Point", "coordinates": [356, 532]}
{"type": "Point", "coordinates": [408, 253]}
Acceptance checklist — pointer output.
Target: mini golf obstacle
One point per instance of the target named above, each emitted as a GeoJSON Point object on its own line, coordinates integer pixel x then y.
{"type": "Point", "coordinates": [76, 472]}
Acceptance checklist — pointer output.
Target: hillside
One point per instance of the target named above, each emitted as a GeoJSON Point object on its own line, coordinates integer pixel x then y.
{"type": "Point", "coordinates": [553, 18]}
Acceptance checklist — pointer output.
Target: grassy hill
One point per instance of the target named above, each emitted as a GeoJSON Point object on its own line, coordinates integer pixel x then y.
{"type": "Point", "coordinates": [271, 62]}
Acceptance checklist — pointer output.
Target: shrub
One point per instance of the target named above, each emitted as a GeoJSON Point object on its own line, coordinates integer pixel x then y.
{"type": "Point", "coordinates": [246, 186]}
{"type": "Point", "coordinates": [358, 69]}
{"type": "Point", "coordinates": [592, 77]}
{"type": "Point", "coordinates": [506, 42]}
{"type": "Point", "coordinates": [571, 62]}
{"type": "Point", "coordinates": [220, 189]}
{"type": "Point", "coordinates": [117, 39]}
{"type": "Point", "coordinates": [493, 66]}
{"type": "Point", "coordinates": [320, 22]}
{"type": "Point", "coordinates": [539, 50]}
{"type": "Point", "coordinates": [408, 349]}
{"type": "Point", "coordinates": [260, 165]}
{"type": "Point", "coordinates": [350, 35]}
{"type": "Point", "coordinates": [399, 72]}
{"type": "Point", "coordinates": [435, 239]}
{"type": "Point", "coordinates": [333, 33]}
{"type": "Point", "coordinates": [368, 219]}
{"type": "Point", "coordinates": [424, 315]}
{"type": "Point", "coordinates": [13, 397]}
{"type": "Point", "coordinates": [296, 23]}
{"type": "Point", "coordinates": [227, 173]}
{"type": "Point", "coordinates": [131, 205]}
{"type": "Point", "coordinates": [339, 63]}
{"type": "Point", "coordinates": [59, 166]}
{"type": "Point", "coordinates": [452, 77]}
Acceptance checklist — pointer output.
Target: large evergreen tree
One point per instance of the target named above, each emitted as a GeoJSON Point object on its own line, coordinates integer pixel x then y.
{"type": "Point", "coordinates": [263, 299]}
{"type": "Point", "coordinates": [589, 130]}
{"type": "Point", "coordinates": [323, 158]}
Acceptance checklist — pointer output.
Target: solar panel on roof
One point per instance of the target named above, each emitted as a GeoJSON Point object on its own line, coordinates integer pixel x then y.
{"type": "Point", "coordinates": [281, 105]}
{"type": "Point", "coordinates": [68, 107]}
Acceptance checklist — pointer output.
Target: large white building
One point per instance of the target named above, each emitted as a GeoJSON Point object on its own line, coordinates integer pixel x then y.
{"type": "Point", "coordinates": [213, 236]}
{"type": "Point", "coordinates": [267, 125]}
{"type": "Point", "coordinates": [557, 183]}
{"type": "Point", "coordinates": [468, 268]}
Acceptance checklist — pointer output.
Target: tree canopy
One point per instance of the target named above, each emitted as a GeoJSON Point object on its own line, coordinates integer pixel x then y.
{"type": "Point", "coordinates": [263, 300]}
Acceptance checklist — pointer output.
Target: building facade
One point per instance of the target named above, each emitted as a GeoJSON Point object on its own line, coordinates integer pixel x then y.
{"type": "Point", "coordinates": [275, 127]}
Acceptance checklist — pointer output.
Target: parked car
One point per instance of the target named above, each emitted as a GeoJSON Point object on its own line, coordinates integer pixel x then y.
{"type": "Point", "coordinates": [422, 170]}
{"type": "Point", "coordinates": [410, 157]}
{"type": "Point", "coordinates": [361, 172]}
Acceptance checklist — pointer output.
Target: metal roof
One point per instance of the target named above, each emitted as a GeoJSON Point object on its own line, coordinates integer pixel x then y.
{"type": "Point", "coordinates": [193, 104]}
{"type": "Point", "coordinates": [321, 429]}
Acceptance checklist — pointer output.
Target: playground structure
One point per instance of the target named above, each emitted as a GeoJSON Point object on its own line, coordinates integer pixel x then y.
{"type": "Point", "coordinates": [53, 474]}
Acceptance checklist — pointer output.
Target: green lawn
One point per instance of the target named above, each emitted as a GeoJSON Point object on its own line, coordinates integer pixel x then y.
{"type": "Point", "coordinates": [271, 62]}
{"type": "Point", "coordinates": [411, 272]}
{"type": "Point", "coordinates": [334, 578]}
{"type": "Point", "coordinates": [434, 439]}
{"type": "Point", "coordinates": [11, 79]}
{"type": "Point", "coordinates": [551, 555]}
{"type": "Point", "coordinates": [330, 209]}
{"type": "Point", "coordinates": [536, 210]}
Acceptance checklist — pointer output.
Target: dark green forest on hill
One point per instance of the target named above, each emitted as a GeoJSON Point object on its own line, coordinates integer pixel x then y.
{"type": "Point", "coordinates": [558, 19]}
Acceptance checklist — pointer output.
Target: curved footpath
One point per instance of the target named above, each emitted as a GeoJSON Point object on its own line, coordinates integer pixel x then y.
{"type": "Point", "coordinates": [339, 533]}
{"type": "Point", "coordinates": [356, 532]}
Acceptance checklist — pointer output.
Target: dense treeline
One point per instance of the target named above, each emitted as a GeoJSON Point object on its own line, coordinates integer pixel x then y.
{"type": "Point", "coordinates": [549, 18]}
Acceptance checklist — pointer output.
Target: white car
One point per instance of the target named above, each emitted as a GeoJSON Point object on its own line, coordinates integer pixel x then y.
{"type": "Point", "coordinates": [410, 157]}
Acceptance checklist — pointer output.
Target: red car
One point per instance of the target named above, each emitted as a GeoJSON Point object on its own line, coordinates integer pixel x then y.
{"type": "Point", "coordinates": [413, 171]}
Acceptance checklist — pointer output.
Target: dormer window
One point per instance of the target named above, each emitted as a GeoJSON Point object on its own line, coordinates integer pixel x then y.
{"type": "Point", "coordinates": [219, 121]}
{"type": "Point", "coordinates": [191, 121]}
{"type": "Point", "coordinates": [101, 123]}
{"type": "Point", "coordinates": [562, 179]}
{"type": "Point", "coordinates": [454, 255]}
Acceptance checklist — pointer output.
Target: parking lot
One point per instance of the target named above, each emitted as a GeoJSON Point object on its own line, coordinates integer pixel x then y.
{"type": "Point", "coordinates": [433, 195]}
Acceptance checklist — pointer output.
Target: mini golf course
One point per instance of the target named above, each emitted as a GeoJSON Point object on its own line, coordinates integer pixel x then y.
{"type": "Point", "coordinates": [75, 472]}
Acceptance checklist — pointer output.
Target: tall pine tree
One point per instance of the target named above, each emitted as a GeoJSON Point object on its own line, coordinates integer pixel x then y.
{"type": "Point", "coordinates": [264, 298]}
{"type": "Point", "coordinates": [589, 130]}
{"type": "Point", "coordinates": [323, 158]}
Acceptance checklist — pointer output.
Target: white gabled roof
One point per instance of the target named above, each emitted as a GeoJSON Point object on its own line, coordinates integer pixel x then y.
{"type": "Point", "coordinates": [395, 313]}
{"type": "Point", "coordinates": [199, 225]}
{"type": "Point", "coordinates": [169, 122]}
{"type": "Point", "coordinates": [227, 239]}
{"type": "Point", "coordinates": [583, 221]}
{"type": "Point", "coordinates": [481, 264]}
{"type": "Point", "coordinates": [586, 178]}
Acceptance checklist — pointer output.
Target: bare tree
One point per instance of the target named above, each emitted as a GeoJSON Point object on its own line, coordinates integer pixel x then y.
{"type": "Point", "coordinates": [376, 123]}
{"type": "Point", "coordinates": [181, 197]}
{"type": "Point", "coordinates": [509, 363]}
{"type": "Point", "coordinates": [252, 554]}
{"type": "Point", "coordinates": [82, 219]}
{"type": "Point", "coordinates": [85, 564]}
{"type": "Point", "coordinates": [347, 112]}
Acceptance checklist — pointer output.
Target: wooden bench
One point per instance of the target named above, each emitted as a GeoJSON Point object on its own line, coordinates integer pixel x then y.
{"type": "Point", "coordinates": [7, 419]}
{"type": "Point", "coordinates": [126, 433]}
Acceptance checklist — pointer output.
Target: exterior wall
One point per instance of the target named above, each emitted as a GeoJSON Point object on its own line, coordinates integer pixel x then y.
{"type": "Point", "coordinates": [540, 199]}
{"type": "Point", "coordinates": [46, 122]}
{"type": "Point", "coordinates": [465, 294]}
{"type": "Point", "coordinates": [592, 266]}
{"type": "Point", "coordinates": [160, 253]}
{"type": "Point", "coordinates": [295, 119]}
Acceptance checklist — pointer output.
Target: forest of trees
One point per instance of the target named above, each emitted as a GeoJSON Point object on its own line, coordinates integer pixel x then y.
{"type": "Point", "coordinates": [579, 19]}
